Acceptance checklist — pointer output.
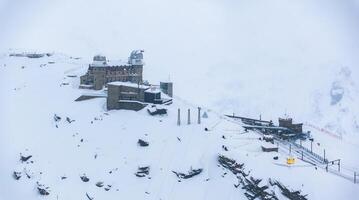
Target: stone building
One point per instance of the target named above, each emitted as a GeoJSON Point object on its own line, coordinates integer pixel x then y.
{"type": "Point", "coordinates": [102, 71]}
{"type": "Point", "coordinates": [131, 96]}
{"type": "Point", "coordinates": [126, 95]}
{"type": "Point", "coordinates": [288, 123]}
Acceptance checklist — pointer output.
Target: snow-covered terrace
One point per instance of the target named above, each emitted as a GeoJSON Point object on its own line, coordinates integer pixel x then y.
{"type": "Point", "coordinates": [128, 84]}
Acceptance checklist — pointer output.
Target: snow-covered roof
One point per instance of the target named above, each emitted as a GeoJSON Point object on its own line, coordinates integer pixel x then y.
{"type": "Point", "coordinates": [152, 109]}
{"type": "Point", "coordinates": [109, 63]}
{"type": "Point", "coordinates": [153, 90]}
{"type": "Point", "coordinates": [269, 146]}
{"type": "Point", "coordinates": [86, 86]}
{"type": "Point", "coordinates": [117, 63]}
{"type": "Point", "coordinates": [131, 101]}
{"type": "Point", "coordinates": [128, 84]}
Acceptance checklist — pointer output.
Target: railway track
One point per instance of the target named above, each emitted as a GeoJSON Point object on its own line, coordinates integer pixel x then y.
{"type": "Point", "coordinates": [311, 157]}
{"type": "Point", "coordinates": [307, 156]}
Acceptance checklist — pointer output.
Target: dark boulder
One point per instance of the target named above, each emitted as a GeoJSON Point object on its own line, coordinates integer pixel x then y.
{"type": "Point", "coordinates": [84, 178]}
{"type": "Point", "coordinates": [142, 143]}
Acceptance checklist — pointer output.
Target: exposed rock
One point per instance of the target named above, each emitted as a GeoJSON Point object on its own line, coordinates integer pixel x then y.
{"type": "Point", "coordinates": [88, 196]}
{"type": "Point", "coordinates": [17, 175]}
{"type": "Point", "coordinates": [143, 171]}
{"type": "Point", "coordinates": [292, 195]}
{"type": "Point", "coordinates": [43, 190]}
{"type": "Point", "coordinates": [190, 174]}
{"type": "Point", "coordinates": [69, 120]}
{"type": "Point", "coordinates": [232, 165]}
{"type": "Point", "coordinates": [57, 118]}
{"type": "Point", "coordinates": [99, 184]}
{"type": "Point", "coordinates": [84, 178]}
{"type": "Point", "coordinates": [25, 158]}
{"type": "Point", "coordinates": [336, 93]}
{"type": "Point", "coordinates": [108, 187]}
{"type": "Point", "coordinates": [142, 143]}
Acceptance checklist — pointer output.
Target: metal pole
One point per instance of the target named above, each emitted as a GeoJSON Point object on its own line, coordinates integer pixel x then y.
{"type": "Point", "coordinates": [355, 177]}
{"type": "Point", "coordinates": [324, 156]}
{"type": "Point", "coordinates": [302, 156]}
{"type": "Point", "coordinates": [311, 146]}
{"type": "Point", "coordinates": [199, 115]}
{"type": "Point", "coordinates": [189, 117]}
{"type": "Point", "coordinates": [339, 166]}
{"type": "Point", "coordinates": [300, 141]}
{"type": "Point", "coordinates": [179, 117]}
{"type": "Point", "coordinates": [290, 148]}
{"type": "Point", "coordinates": [326, 167]}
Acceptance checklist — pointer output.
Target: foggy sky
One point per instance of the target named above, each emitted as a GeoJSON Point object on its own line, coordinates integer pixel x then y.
{"type": "Point", "coordinates": [240, 50]}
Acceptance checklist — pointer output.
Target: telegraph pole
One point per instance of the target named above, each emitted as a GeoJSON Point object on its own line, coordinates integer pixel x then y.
{"type": "Point", "coordinates": [324, 156]}
{"type": "Point", "coordinates": [355, 177]}
{"type": "Point", "coordinates": [189, 117]}
{"type": "Point", "coordinates": [199, 115]}
{"type": "Point", "coordinates": [179, 117]}
{"type": "Point", "coordinates": [302, 156]}
{"type": "Point", "coordinates": [339, 166]}
{"type": "Point", "coordinates": [311, 145]}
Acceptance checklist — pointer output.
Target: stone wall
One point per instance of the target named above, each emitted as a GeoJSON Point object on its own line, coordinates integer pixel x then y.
{"type": "Point", "coordinates": [124, 93]}
{"type": "Point", "coordinates": [100, 76]}
{"type": "Point", "coordinates": [99, 80]}
{"type": "Point", "coordinates": [113, 96]}
{"type": "Point", "coordinates": [136, 106]}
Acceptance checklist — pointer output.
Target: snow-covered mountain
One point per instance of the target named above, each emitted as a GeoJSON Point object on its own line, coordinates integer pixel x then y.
{"type": "Point", "coordinates": [336, 107]}
{"type": "Point", "coordinates": [102, 145]}
{"type": "Point", "coordinates": [274, 58]}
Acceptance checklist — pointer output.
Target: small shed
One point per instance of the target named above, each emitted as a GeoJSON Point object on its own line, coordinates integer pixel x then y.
{"type": "Point", "coordinates": [153, 96]}
{"type": "Point", "coordinates": [269, 148]}
{"type": "Point", "coordinates": [167, 88]}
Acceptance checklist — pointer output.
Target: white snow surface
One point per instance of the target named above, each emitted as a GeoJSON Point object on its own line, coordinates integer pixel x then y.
{"type": "Point", "coordinates": [32, 92]}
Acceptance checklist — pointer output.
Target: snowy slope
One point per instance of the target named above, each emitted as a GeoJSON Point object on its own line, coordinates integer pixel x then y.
{"type": "Point", "coordinates": [32, 91]}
